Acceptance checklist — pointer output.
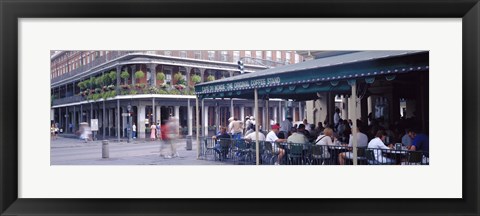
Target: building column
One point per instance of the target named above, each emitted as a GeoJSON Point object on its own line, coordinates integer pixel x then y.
{"type": "Point", "coordinates": [294, 114]}
{"type": "Point", "coordinates": [267, 115]}
{"type": "Point", "coordinates": [118, 119]}
{"type": "Point", "coordinates": [132, 68]}
{"type": "Point", "coordinates": [300, 112]}
{"type": "Point", "coordinates": [344, 109]}
{"type": "Point", "coordinates": [281, 111]}
{"type": "Point", "coordinates": [153, 74]}
{"type": "Point", "coordinates": [154, 117]}
{"type": "Point", "coordinates": [158, 110]}
{"type": "Point", "coordinates": [187, 77]}
{"type": "Point", "coordinates": [141, 121]}
{"type": "Point", "coordinates": [275, 115]}
{"type": "Point", "coordinates": [104, 121]}
{"type": "Point", "coordinates": [119, 68]}
{"type": "Point", "coordinates": [205, 120]}
{"type": "Point", "coordinates": [232, 111]}
{"type": "Point", "coordinates": [364, 109]}
{"type": "Point", "coordinates": [189, 118]}
{"type": "Point", "coordinates": [201, 124]}
{"type": "Point", "coordinates": [217, 117]}
{"type": "Point", "coordinates": [242, 113]}
{"type": "Point", "coordinates": [81, 114]}
{"type": "Point", "coordinates": [66, 120]}
{"type": "Point", "coordinates": [202, 73]}
{"type": "Point", "coordinates": [73, 120]}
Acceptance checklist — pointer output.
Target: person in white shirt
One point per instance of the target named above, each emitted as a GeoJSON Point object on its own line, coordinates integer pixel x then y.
{"type": "Point", "coordinates": [377, 144]}
{"type": "Point", "coordinates": [252, 136]}
{"type": "Point", "coordinates": [336, 118]}
{"type": "Point", "coordinates": [134, 129]}
{"type": "Point", "coordinates": [272, 137]}
{"type": "Point", "coordinates": [362, 142]}
{"type": "Point", "coordinates": [325, 140]}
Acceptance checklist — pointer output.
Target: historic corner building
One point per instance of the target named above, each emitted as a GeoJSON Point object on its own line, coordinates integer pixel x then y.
{"type": "Point", "coordinates": [156, 85]}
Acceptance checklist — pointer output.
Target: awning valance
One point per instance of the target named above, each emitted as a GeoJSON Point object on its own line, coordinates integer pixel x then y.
{"type": "Point", "coordinates": [330, 74]}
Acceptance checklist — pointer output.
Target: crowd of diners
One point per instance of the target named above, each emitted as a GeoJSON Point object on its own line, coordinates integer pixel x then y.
{"type": "Point", "coordinates": [374, 134]}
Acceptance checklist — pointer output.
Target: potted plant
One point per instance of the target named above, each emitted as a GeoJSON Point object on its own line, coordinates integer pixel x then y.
{"type": "Point", "coordinates": [139, 75]}
{"type": "Point", "coordinates": [124, 75]}
{"type": "Point", "coordinates": [113, 77]}
{"type": "Point", "coordinates": [196, 79]}
{"type": "Point", "coordinates": [161, 77]}
{"type": "Point", "coordinates": [210, 78]}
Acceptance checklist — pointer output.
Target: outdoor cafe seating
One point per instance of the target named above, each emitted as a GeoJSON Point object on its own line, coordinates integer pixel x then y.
{"type": "Point", "coordinates": [241, 151]}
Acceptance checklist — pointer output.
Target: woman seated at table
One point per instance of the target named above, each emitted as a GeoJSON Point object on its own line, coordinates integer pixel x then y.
{"type": "Point", "coordinates": [325, 140]}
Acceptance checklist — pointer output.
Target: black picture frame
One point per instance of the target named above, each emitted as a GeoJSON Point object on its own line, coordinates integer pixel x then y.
{"type": "Point", "coordinates": [11, 11]}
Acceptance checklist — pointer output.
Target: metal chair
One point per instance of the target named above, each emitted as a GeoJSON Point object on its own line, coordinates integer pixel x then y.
{"type": "Point", "coordinates": [268, 155]}
{"type": "Point", "coordinates": [371, 157]}
{"type": "Point", "coordinates": [209, 144]}
{"type": "Point", "coordinates": [240, 151]}
{"type": "Point", "coordinates": [414, 157]}
{"type": "Point", "coordinates": [317, 155]}
{"type": "Point", "coordinates": [295, 154]}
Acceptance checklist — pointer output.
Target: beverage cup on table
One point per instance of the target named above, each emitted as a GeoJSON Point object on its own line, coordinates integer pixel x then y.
{"type": "Point", "coordinates": [398, 146]}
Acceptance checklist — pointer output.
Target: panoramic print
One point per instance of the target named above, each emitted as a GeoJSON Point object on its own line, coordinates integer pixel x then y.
{"type": "Point", "coordinates": [239, 107]}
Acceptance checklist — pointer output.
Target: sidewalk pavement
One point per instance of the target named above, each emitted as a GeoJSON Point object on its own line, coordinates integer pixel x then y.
{"type": "Point", "coordinates": [73, 151]}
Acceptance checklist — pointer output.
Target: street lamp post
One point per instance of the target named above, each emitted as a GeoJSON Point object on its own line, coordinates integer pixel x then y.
{"type": "Point", "coordinates": [129, 130]}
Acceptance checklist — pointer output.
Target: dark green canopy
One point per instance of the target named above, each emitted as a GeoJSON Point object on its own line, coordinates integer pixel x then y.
{"type": "Point", "coordinates": [304, 80]}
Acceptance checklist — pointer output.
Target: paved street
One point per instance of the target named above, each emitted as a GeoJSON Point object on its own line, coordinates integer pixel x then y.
{"type": "Point", "coordinates": [71, 151]}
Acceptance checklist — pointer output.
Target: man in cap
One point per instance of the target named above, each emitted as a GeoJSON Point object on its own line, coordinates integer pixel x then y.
{"type": "Point", "coordinates": [272, 137]}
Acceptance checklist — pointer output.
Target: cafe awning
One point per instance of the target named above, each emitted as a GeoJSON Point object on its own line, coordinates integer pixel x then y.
{"type": "Point", "coordinates": [304, 80]}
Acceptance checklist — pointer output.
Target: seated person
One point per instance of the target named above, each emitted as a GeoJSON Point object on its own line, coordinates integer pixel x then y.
{"type": "Point", "coordinates": [298, 137]}
{"type": "Point", "coordinates": [378, 143]}
{"type": "Point", "coordinates": [362, 142]}
{"type": "Point", "coordinates": [419, 143]}
{"type": "Point", "coordinates": [221, 135]}
{"type": "Point", "coordinates": [325, 140]}
{"type": "Point", "coordinates": [252, 136]}
{"type": "Point", "coordinates": [272, 137]}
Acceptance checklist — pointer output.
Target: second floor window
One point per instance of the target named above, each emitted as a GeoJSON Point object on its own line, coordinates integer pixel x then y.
{"type": "Point", "coordinates": [279, 56]}
{"type": "Point", "coordinates": [236, 56]}
{"type": "Point", "coordinates": [287, 57]}
{"type": "Point", "coordinates": [258, 54]}
{"type": "Point", "coordinates": [183, 54]}
{"type": "Point", "coordinates": [224, 56]}
{"type": "Point", "coordinates": [198, 54]}
{"type": "Point", "coordinates": [211, 55]}
{"type": "Point", "coordinates": [167, 53]}
{"type": "Point", "coordinates": [269, 55]}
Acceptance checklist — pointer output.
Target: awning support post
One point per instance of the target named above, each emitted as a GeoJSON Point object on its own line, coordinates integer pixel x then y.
{"type": "Point", "coordinates": [257, 147]}
{"type": "Point", "coordinates": [354, 119]}
{"type": "Point", "coordinates": [197, 126]}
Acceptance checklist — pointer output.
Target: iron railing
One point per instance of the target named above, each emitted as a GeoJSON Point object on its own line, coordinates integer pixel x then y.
{"type": "Point", "coordinates": [241, 151]}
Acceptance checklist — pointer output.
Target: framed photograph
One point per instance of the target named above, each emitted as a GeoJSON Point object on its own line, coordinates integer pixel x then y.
{"type": "Point", "coordinates": [224, 107]}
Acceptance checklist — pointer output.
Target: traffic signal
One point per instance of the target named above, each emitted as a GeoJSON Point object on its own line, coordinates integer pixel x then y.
{"type": "Point", "coordinates": [240, 66]}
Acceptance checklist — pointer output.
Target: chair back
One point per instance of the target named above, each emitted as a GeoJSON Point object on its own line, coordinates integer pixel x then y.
{"type": "Point", "coordinates": [317, 150]}
{"type": "Point", "coordinates": [296, 149]}
{"type": "Point", "coordinates": [268, 147]}
{"type": "Point", "coordinates": [369, 154]}
{"type": "Point", "coordinates": [414, 157]}
{"type": "Point", "coordinates": [360, 152]}
{"type": "Point", "coordinates": [224, 143]}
